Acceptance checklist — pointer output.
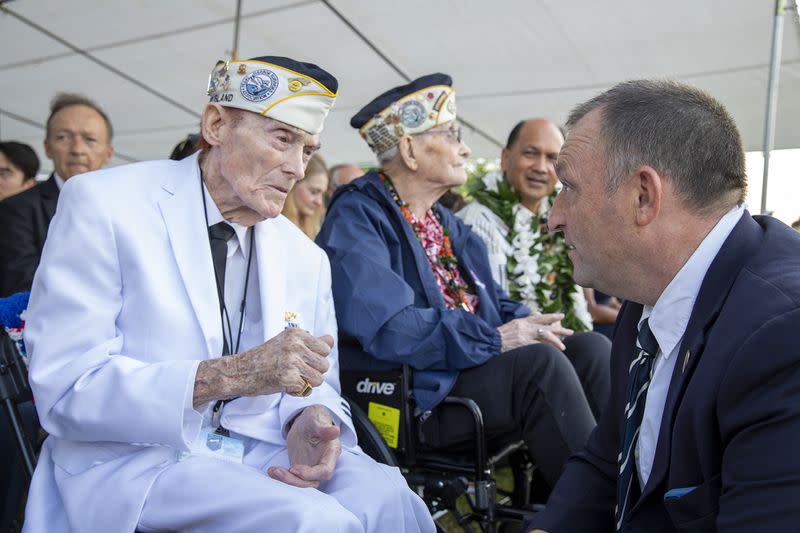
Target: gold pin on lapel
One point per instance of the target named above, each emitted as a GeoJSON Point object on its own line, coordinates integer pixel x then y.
{"type": "Point", "coordinates": [686, 360]}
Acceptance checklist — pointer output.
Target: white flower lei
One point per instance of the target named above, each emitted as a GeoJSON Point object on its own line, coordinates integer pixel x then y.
{"type": "Point", "coordinates": [525, 252]}
{"type": "Point", "coordinates": [535, 274]}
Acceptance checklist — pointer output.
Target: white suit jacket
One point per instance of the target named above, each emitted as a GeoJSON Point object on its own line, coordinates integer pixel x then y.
{"type": "Point", "coordinates": [123, 309]}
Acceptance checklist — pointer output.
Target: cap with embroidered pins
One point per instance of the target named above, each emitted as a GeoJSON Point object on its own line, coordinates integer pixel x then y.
{"type": "Point", "coordinates": [405, 110]}
{"type": "Point", "coordinates": [296, 93]}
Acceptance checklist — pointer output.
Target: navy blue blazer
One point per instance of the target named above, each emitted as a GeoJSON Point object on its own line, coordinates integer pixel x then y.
{"type": "Point", "coordinates": [728, 453]}
{"type": "Point", "coordinates": [388, 306]}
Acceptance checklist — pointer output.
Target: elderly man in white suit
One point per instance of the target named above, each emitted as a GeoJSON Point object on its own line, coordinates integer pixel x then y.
{"type": "Point", "coordinates": [131, 309]}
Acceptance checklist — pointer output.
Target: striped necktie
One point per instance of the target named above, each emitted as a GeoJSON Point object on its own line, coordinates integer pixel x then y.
{"type": "Point", "coordinates": [640, 374]}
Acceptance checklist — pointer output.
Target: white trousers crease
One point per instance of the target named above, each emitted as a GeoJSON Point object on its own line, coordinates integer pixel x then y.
{"type": "Point", "coordinates": [209, 495]}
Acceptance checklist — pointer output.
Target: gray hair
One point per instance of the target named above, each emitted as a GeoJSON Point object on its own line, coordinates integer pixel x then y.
{"type": "Point", "coordinates": [681, 131]}
{"type": "Point", "coordinates": [63, 100]}
{"type": "Point", "coordinates": [388, 154]}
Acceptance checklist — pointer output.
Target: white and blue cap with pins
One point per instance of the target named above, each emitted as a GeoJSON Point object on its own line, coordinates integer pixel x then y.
{"type": "Point", "coordinates": [405, 110]}
{"type": "Point", "coordinates": [295, 93]}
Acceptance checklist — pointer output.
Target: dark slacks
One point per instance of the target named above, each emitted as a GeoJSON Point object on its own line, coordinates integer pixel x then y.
{"type": "Point", "coordinates": [537, 393]}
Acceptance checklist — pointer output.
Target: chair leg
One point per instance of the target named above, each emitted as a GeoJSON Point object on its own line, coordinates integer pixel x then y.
{"type": "Point", "coordinates": [522, 470]}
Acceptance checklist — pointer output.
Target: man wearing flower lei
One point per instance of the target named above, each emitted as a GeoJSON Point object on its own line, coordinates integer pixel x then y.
{"type": "Point", "coordinates": [412, 285]}
{"type": "Point", "coordinates": [509, 213]}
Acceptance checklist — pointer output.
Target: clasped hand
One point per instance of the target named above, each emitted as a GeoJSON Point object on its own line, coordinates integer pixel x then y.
{"type": "Point", "coordinates": [284, 363]}
{"type": "Point", "coordinates": [314, 447]}
{"type": "Point", "coordinates": [524, 331]}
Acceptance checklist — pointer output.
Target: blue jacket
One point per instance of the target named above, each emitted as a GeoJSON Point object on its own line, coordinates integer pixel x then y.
{"type": "Point", "coordinates": [388, 306]}
{"type": "Point", "coordinates": [727, 455]}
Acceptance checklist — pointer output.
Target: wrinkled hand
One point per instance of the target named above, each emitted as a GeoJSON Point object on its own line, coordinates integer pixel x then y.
{"type": "Point", "coordinates": [524, 331]}
{"type": "Point", "coordinates": [281, 363]}
{"type": "Point", "coordinates": [314, 447]}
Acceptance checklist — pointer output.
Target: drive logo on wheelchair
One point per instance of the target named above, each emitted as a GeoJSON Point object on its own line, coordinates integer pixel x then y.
{"type": "Point", "coordinates": [365, 386]}
{"type": "Point", "coordinates": [379, 394]}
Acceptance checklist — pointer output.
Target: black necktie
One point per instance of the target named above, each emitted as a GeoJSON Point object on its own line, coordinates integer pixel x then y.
{"type": "Point", "coordinates": [219, 234]}
{"type": "Point", "coordinates": [640, 374]}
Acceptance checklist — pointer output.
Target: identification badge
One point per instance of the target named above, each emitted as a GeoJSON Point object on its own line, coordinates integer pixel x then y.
{"type": "Point", "coordinates": [211, 444]}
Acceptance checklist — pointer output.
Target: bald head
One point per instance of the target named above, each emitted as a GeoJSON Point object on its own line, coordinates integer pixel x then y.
{"type": "Point", "coordinates": [531, 123]}
{"type": "Point", "coordinates": [529, 159]}
{"type": "Point", "coordinates": [344, 174]}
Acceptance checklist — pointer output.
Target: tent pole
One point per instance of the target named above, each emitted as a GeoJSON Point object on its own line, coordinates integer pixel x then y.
{"type": "Point", "coordinates": [772, 96]}
{"type": "Point", "coordinates": [236, 23]}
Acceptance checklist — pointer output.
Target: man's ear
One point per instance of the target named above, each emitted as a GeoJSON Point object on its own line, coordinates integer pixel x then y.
{"type": "Point", "coordinates": [47, 147]}
{"type": "Point", "coordinates": [108, 155]}
{"type": "Point", "coordinates": [649, 194]}
{"type": "Point", "coordinates": [504, 156]}
{"type": "Point", "coordinates": [408, 152]}
{"type": "Point", "coordinates": [211, 124]}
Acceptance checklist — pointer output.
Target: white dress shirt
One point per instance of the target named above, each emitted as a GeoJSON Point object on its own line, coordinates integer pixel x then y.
{"type": "Point", "coordinates": [235, 272]}
{"type": "Point", "coordinates": [668, 321]}
{"type": "Point", "coordinates": [235, 275]}
{"type": "Point", "coordinates": [59, 180]}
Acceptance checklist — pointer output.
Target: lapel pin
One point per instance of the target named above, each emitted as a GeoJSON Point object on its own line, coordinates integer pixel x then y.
{"type": "Point", "coordinates": [292, 319]}
{"type": "Point", "coordinates": [686, 360]}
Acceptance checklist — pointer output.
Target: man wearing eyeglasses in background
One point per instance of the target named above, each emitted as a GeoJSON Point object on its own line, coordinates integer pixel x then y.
{"type": "Point", "coordinates": [78, 140]}
{"type": "Point", "coordinates": [18, 167]}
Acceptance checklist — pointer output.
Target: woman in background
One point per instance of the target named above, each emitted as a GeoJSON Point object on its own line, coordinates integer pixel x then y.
{"type": "Point", "coordinates": [18, 167]}
{"type": "Point", "coordinates": [305, 204]}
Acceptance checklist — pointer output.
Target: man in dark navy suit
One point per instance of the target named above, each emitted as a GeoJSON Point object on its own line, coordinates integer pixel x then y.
{"type": "Point", "coordinates": [78, 140]}
{"type": "Point", "coordinates": [703, 427]}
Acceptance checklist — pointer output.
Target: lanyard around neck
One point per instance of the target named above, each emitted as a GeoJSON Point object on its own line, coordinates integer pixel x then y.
{"type": "Point", "coordinates": [224, 316]}
{"type": "Point", "coordinates": [223, 310]}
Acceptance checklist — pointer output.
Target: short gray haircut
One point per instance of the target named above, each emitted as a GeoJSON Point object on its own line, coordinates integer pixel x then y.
{"type": "Point", "coordinates": [64, 100]}
{"type": "Point", "coordinates": [679, 130]}
{"type": "Point", "coordinates": [388, 154]}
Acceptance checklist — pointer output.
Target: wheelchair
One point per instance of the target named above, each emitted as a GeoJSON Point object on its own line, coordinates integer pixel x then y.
{"type": "Point", "coordinates": [389, 431]}
{"type": "Point", "coordinates": [14, 391]}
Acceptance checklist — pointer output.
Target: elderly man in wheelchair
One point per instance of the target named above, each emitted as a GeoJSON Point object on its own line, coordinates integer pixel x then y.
{"type": "Point", "coordinates": [414, 296]}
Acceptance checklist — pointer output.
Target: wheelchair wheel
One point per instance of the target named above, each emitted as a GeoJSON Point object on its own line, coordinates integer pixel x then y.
{"type": "Point", "coordinates": [368, 437]}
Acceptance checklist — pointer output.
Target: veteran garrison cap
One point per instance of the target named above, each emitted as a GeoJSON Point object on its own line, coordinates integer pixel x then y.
{"type": "Point", "coordinates": [412, 108]}
{"type": "Point", "coordinates": [296, 93]}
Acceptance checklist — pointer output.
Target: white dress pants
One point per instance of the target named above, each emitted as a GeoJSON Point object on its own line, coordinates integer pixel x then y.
{"type": "Point", "coordinates": [203, 494]}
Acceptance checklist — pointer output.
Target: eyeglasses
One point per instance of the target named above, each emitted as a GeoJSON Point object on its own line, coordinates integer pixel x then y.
{"type": "Point", "coordinates": [453, 133]}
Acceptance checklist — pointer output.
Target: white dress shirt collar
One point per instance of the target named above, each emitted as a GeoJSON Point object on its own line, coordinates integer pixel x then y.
{"type": "Point", "coordinates": [544, 206]}
{"type": "Point", "coordinates": [215, 216]}
{"type": "Point", "coordinates": [670, 316]}
{"type": "Point", "coordinates": [59, 180]}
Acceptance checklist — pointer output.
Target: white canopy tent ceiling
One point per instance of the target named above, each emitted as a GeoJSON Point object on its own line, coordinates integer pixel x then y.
{"type": "Point", "coordinates": [147, 61]}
